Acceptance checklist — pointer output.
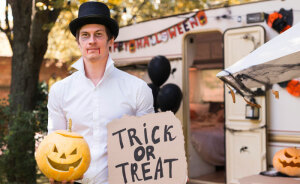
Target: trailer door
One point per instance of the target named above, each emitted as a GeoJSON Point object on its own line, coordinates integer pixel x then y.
{"type": "Point", "coordinates": [245, 138]}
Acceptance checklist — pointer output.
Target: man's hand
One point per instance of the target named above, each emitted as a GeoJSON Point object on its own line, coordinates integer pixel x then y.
{"type": "Point", "coordinates": [52, 181]}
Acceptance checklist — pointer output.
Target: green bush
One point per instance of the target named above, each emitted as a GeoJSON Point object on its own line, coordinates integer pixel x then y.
{"type": "Point", "coordinates": [17, 139]}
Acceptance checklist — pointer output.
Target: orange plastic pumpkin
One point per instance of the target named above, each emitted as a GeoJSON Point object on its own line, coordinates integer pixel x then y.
{"type": "Point", "coordinates": [63, 155]}
{"type": "Point", "coordinates": [287, 161]}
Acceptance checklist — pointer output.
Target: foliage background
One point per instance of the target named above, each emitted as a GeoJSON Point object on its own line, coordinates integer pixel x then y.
{"type": "Point", "coordinates": [62, 47]}
{"type": "Point", "coordinates": [24, 127]}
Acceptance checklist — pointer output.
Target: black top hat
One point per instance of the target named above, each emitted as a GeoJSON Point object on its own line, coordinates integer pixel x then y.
{"type": "Point", "coordinates": [94, 13]}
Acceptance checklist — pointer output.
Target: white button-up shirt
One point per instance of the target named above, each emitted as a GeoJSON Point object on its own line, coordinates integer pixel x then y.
{"type": "Point", "coordinates": [91, 107]}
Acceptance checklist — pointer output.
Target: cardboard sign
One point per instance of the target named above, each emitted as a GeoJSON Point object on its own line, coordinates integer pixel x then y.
{"type": "Point", "coordinates": [147, 149]}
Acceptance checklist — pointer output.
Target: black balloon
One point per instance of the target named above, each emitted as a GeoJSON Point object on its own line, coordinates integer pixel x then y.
{"type": "Point", "coordinates": [169, 98]}
{"type": "Point", "coordinates": [159, 70]}
{"type": "Point", "coordinates": [155, 91]}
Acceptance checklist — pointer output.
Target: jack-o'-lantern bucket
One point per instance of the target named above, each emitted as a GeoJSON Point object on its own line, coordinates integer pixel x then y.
{"type": "Point", "coordinates": [287, 161]}
{"type": "Point", "coordinates": [63, 155]}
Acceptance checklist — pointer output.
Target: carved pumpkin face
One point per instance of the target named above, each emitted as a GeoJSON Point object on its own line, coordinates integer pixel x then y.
{"type": "Point", "coordinates": [287, 161]}
{"type": "Point", "coordinates": [63, 155]}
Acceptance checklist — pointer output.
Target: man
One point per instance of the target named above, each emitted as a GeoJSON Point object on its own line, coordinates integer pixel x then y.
{"type": "Point", "coordinates": [98, 92]}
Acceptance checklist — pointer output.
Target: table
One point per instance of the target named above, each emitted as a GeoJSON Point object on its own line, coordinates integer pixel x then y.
{"type": "Point", "coordinates": [260, 179]}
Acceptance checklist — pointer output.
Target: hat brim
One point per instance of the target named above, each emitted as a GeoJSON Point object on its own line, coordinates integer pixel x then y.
{"type": "Point", "coordinates": [96, 19]}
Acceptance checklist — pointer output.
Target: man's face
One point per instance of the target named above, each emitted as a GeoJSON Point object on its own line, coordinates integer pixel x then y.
{"type": "Point", "coordinates": [93, 42]}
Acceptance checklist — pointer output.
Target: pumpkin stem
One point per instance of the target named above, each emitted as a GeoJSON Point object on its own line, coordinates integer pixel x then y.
{"type": "Point", "coordinates": [70, 125]}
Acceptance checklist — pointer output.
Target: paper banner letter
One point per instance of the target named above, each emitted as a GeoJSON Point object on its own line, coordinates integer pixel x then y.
{"type": "Point", "coordinates": [172, 32]}
{"type": "Point", "coordinates": [146, 41]}
{"type": "Point", "coordinates": [179, 28]}
{"type": "Point", "coordinates": [193, 22]}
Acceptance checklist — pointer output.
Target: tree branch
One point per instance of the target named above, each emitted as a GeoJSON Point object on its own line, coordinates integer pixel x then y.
{"type": "Point", "coordinates": [139, 8]}
{"type": "Point", "coordinates": [7, 31]}
{"type": "Point", "coordinates": [6, 17]}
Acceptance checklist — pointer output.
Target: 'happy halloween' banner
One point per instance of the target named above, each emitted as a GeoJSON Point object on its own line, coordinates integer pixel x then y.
{"type": "Point", "coordinates": [162, 36]}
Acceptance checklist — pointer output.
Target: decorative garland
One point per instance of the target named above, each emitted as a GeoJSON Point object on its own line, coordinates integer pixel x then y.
{"type": "Point", "coordinates": [293, 87]}
{"type": "Point", "coordinates": [162, 36]}
{"type": "Point", "coordinates": [282, 21]}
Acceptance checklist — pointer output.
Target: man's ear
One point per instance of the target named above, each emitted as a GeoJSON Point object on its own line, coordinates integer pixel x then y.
{"type": "Point", "coordinates": [111, 42]}
{"type": "Point", "coordinates": [78, 44]}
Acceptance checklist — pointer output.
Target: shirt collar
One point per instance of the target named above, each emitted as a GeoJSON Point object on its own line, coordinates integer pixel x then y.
{"type": "Point", "coordinates": [79, 65]}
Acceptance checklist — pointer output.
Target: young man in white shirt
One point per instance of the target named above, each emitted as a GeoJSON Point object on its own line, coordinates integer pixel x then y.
{"type": "Point", "coordinates": [98, 92]}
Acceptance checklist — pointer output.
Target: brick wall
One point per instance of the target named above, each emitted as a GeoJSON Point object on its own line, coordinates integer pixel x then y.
{"type": "Point", "coordinates": [47, 70]}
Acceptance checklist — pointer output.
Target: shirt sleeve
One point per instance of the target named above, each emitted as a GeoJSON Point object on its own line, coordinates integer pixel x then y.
{"type": "Point", "coordinates": [144, 100]}
{"type": "Point", "coordinates": [56, 118]}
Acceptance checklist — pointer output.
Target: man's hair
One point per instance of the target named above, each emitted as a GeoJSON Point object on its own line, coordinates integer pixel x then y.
{"type": "Point", "coordinates": [107, 30]}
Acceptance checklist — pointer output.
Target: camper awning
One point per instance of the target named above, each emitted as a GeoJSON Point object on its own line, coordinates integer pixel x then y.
{"type": "Point", "coordinates": [276, 61]}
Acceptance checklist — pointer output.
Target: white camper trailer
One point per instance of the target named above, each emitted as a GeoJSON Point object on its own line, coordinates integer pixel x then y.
{"type": "Point", "coordinates": [223, 141]}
